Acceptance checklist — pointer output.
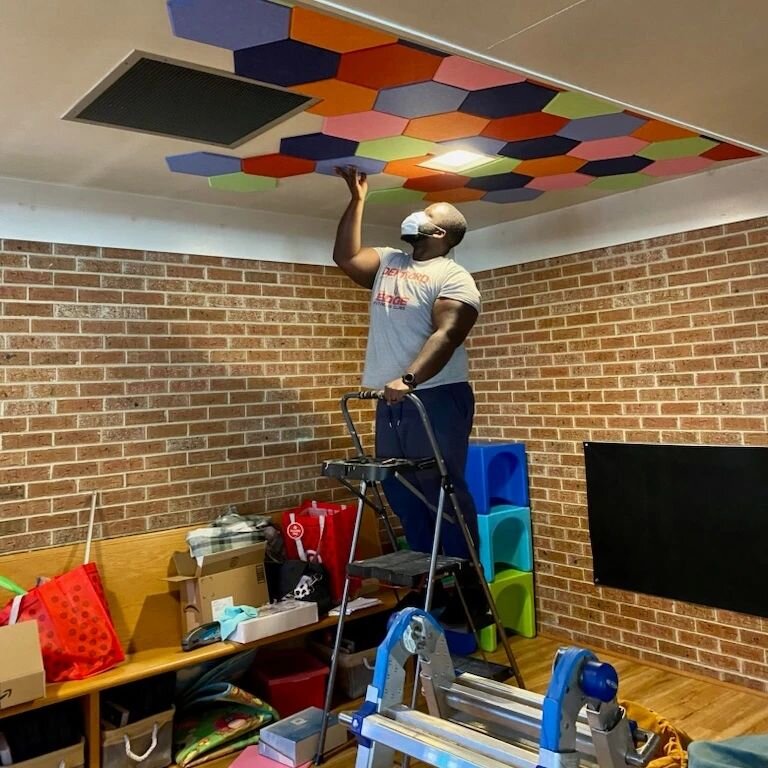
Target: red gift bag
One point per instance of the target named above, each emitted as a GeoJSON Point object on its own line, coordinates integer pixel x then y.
{"type": "Point", "coordinates": [77, 636]}
{"type": "Point", "coordinates": [321, 532]}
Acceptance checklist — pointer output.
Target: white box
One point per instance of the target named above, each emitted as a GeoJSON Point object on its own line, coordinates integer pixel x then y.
{"type": "Point", "coordinates": [293, 741]}
{"type": "Point", "coordinates": [274, 619]}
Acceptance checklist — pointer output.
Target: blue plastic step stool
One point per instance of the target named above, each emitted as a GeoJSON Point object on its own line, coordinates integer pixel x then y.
{"type": "Point", "coordinates": [505, 536]}
{"type": "Point", "coordinates": [497, 473]}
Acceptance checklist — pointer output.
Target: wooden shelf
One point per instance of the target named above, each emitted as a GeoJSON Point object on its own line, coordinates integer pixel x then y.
{"type": "Point", "coordinates": [158, 660]}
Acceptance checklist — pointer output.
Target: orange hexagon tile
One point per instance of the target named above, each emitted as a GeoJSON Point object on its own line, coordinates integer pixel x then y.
{"type": "Point", "coordinates": [549, 166]}
{"type": "Point", "coordinates": [445, 126]}
{"type": "Point", "coordinates": [409, 167]}
{"type": "Point", "coordinates": [437, 182]}
{"type": "Point", "coordinates": [460, 195]}
{"type": "Point", "coordinates": [338, 97]}
{"type": "Point", "coordinates": [655, 130]}
{"type": "Point", "coordinates": [388, 66]}
{"type": "Point", "coordinates": [334, 34]}
{"type": "Point", "coordinates": [520, 127]}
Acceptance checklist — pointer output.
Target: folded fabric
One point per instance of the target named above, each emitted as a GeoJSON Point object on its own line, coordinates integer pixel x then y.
{"type": "Point", "coordinates": [228, 531]}
{"type": "Point", "coordinates": [233, 615]}
{"type": "Point", "coordinates": [741, 752]}
{"type": "Point", "coordinates": [674, 742]}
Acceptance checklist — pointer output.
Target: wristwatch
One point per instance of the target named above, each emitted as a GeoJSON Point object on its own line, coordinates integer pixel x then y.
{"type": "Point", "coordinates": [409, 380]}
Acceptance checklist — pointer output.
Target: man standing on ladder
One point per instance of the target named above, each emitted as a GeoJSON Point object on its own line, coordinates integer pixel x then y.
{"type": "Point", "coordinates": [423, 306]}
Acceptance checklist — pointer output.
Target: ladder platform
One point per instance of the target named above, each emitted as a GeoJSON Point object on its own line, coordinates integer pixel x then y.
{"type": "Point", "coordinates": [372, 469]}
{"type": "Point", "coordinates": [488, 669]}
{"type": "Point", "coordinates": [403, 568]}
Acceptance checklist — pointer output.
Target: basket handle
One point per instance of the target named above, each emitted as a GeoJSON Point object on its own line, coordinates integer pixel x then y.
{"type": "Point", "coordinates": [150, 749]}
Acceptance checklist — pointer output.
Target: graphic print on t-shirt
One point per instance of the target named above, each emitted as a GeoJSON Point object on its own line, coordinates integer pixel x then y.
{"type": "Point", "coordinates": [394, 290]}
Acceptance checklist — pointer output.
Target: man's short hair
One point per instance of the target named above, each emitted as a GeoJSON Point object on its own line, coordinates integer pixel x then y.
{"type": "Point", "coordinates": [452, 220]}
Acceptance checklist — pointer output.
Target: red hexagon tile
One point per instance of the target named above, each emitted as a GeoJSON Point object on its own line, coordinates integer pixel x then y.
{"type": "Point", "coordinates": [277, 165]}
{"type": "Point", "coordinates": [436, 182]}
{"type": "Point", "coordinates": [387, 66]}
{"type": "Point", "coordinates": [531, 126]}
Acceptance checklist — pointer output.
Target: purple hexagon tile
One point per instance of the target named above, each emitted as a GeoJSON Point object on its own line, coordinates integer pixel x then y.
{"type": "Point", "coordinates": [601, 127]}
{"type": "Point", "coordinates": [472, 75]}
{"type": "Point", "coordinates": [499, 181]}
{"type": "Point", "coordinates": [512, 195]}
{"type": "Point", "coordinates": [561, 181]}
{"type": "Point", "coordinates": [231, 24]}
{"type": "Point", "coordinates": [678, 165]}
{"type": "Point", "coordinates": [365, 126]}
{"type": "Point", "coordinates": [286, 63]}
{"type": "Point", "coordinates": [363, 164]}
{"type": "Point", "coordinates": [506, 100]}
{"type": "Point", "coordinates": [603, 149]}
{"type": "Point", "coordinates": [532, 149]}
{"type": "Point", "coordinates": [616, 166]}
{"type": "Point", "coordinates": [317, 146]}
{"type": "Point", "coordinates": [203, 163]}
{"type": "Point", "coordinates": [420, 99]}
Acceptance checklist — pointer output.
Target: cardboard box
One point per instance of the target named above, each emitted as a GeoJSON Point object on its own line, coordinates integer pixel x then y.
{"type": "Point", "coordinates": [22, 676]}
{"type": "Point", "coordinates": [293, 741]}
{"type": "Point", "coordinates": [220, 580]}
{"type": "Point", "coordinates": [69, 757]}
{"type": "Point", "coordinates": [274, 619]}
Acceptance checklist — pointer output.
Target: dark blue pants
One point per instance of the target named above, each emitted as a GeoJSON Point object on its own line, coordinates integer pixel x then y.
{"type": "Point", "coordinates": [400, 433]}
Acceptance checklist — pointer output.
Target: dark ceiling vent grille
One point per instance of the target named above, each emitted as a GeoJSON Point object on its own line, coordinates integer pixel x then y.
{"type": "Point", "coordinates": [153, 94]}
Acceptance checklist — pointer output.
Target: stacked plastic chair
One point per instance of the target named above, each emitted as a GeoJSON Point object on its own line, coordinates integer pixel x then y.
{"type": "Point", "coordinates": [497, 476]}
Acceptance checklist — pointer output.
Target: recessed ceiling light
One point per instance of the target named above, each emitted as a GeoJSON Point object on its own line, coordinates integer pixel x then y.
{"type": "Point", "coordinates": [456, 161]}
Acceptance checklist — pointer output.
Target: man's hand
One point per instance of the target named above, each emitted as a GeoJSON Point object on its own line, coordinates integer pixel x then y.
{"type": "Point", "coordinates": [396, 391]}
{"type": "Point", "coordinates": [356, 181]}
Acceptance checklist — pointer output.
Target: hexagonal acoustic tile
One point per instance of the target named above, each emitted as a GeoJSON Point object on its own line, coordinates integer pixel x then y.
{"type": "Point", "coordinates": [394, 196]}
{"type": "Point", "coordinates": [481, 144]}
{"type": "Point", "coordinates": [334, 34]}
{"type": "Point", "coordinates": [472, 75]}
{"type": "Point", "coordinates": [338, 97]}
{"type": "Point", "coordinates": [395, 148]}
{"type": "Point", "coordinates": [388, 66]}
{"type": "Point", "coordinates": [512, 195]}
{"type": "Point", "coordinates": [363, 164]}
{"type": "Point", "coordinates": [436, 182]}
{"type": "Point", "coordinates": [728, 152]}
{"type": "Point", "coordinates": [365, 126]}
{"type": "Point", "coordinates": [241, 182]}
{"type": "Point", "coordinates": [277, 165]}
{"type": "Point", "coordinates": [602, 149]}
{"type": "Point", "coordinates": [521, 127]}
{"type": "Point", "coordinates": [560, 181]}
{"type": "Point", "coordinates": [446, 126]}
{"type": "Point", "coordinates": [420, 99]}
{"type": "Point", "coordinates": [459, 195]}
{"type": "Point", "coordinates": [601, 127]}
{"type": "Point", "coordinates": [506, 100]}
{"type": "Point", "coordinates": [677, 166]}
{"type": "Point", "coordinates": [621, 182]}
{"type": "Point", "coordinates": [550, 166]}
{"type": "Point", "coordinates": [410, 167]}
{"type": "Point", "coordinates": [499, 181]}
{"type": "Point", "coordinates": [666, 150]}
{"type": "Point", "coordinates": [655, 130]}
{"type": "Point", "coordinates": [286, 63]}
{"type": "Point", "coordinates": [500, 165]}
{"type": "Point", "coordinates": [203, 163]}
{"type": "Point", "coordinates": [232, 24]}
{"type": "Point", "coordinates": [615, 166]}
{"type": "Point", "coordinates": [532, 149]}
{"type": "Point", "coordinates": [575, 105]}
{"type": "Point", "coordinates": [317, 146]}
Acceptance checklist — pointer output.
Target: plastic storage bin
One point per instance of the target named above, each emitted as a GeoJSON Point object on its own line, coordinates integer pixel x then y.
{"type": "Point", "coordinates": [355, 670]}
{"type": "Point", "coordinates": [147, 742]}
{"type": "Point", "coordinates": [289, 680]}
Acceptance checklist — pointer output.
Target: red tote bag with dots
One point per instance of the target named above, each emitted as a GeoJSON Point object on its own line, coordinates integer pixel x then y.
{"type": "Point", "coordinates": [77, 636]}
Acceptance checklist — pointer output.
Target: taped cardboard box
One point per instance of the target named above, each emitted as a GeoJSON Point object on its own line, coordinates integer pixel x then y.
{"type": "Point", "coordinates": [218, 581]}
{"type": "Point", "coordinates": [22, 675]}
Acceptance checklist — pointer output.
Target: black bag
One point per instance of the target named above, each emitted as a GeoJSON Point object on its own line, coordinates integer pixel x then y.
{"type": "Point", "coordinates": [306, 581]}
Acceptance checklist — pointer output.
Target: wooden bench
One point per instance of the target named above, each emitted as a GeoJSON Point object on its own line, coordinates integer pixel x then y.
{"type": "Point", "coordinates": [146, 614]}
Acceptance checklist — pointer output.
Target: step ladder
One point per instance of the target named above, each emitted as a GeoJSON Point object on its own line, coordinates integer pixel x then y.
{"type": "Point", "coordinates": [402, 568]}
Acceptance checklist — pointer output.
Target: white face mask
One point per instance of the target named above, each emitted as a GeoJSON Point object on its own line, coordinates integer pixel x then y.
{"type": "Point", "coordinates": [417, 226]}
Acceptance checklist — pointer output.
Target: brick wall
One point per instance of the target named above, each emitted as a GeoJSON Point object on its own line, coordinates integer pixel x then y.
{"type": "Point", "coordinates": [658, 341]}
{"type": "Point", "coordinates": [174, 385]}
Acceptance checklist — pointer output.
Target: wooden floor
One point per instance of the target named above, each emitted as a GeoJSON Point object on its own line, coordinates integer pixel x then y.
{"type": "Point", "coordinates": [704, 709]}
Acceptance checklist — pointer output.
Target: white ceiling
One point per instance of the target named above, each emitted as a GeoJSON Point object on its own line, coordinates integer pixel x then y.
{"type": "Point", "coordinates": [705, 68]}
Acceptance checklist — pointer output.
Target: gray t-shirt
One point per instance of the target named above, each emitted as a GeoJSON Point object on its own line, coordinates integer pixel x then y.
{"type": "Point", "coordinates": [402, 298]}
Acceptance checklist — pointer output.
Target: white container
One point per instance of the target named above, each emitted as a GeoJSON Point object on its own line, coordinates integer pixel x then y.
{"type": "Point", "coordinates": [274, 619]}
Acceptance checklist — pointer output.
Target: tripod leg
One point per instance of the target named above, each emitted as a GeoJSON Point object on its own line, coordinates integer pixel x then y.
{"type": "Point", "coordinates": [340, 628]}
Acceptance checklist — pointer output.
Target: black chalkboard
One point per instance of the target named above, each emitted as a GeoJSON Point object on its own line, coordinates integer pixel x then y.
{"type": "Point", "coordinates": [687, 522]}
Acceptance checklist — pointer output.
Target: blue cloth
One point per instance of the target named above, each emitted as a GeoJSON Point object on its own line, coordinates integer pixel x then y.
{"type": "Point", "coordinates": [400, 433]}
{"type": "Point", "coordinates": [231, 616]}
{"type": "Point", "coordinates": [742, 752]}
